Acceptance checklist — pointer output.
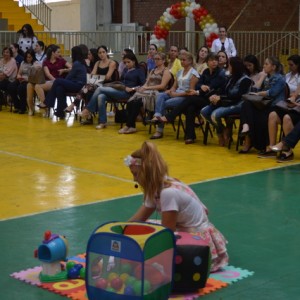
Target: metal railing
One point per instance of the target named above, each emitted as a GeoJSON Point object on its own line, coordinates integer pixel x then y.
{"type": "Point", "coordinates": [40, 10]}
{"type": "Point", "coordinates": [261, 44]}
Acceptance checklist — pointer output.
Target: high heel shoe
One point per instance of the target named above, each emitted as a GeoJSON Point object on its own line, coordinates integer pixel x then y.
{"type": "Point", "coordinates": [280, 147]}
{"type": "Point", "coordinates": [42, 106]}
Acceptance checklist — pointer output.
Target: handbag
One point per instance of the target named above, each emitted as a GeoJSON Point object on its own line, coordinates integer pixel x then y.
{"type": "Point", "coordinates": [36, 75]}
{"type": "Point", "coordinates": [259, 102]}
{"type": "Point", "coordinates": [287, 106]}
{"type": "Point", "coordinates": [118, 85]}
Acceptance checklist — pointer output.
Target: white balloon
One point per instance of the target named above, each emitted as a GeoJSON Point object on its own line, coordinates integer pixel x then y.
{"type": "Point", "coordinates": [162, 43]}
{"type": "Point", "coordinates": [168, 10]}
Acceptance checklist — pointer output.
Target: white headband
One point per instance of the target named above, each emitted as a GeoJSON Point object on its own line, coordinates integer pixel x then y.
{"type": "Point", "coordinates": [132, 161]}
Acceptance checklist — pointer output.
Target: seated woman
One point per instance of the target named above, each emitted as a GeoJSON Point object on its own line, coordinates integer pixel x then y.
{"type": "Point", "coordinates": [18, 54]}
{"type": "Point", "coordinates": [133, 77]}
{"type": "Point", "coordinates": [288, 142]}
{"type": "Point", "coordinates": [201, 61]}
{"type": "Point", "coordinates": [105, 67]}
{"type": "Point", "coordinates": [8, 69]}
{"type": "Point", "coordinates": [54, 67]}
{"type": "Point", "coordinates": [157, 80]}
{"type": "Point", "coordinates": [174, 64]}
{"type": "Point", "coordinates": [73, 82]}
{"type": "Point", "coordinates": [229, 101]}
{"type": "Point", "coordinates": [253, 69]}
{"type": "Point", "coordinates": [185, 81]}
{"type": "Point", "coordinates": [92, 59]}
{"type": "Point", "coordinates": [179, 206]}
{"type": "Point", "coordinates": [223, 60]}
{"type": "Point", "coordinates": [211, 80]}
{"type": "Point", "coordinates": [287, 113]}
{"type": "Point", "coordinates": [122, 66]}
{"type": "Point", "coordinates": [254, 121]}
{"type": "Point", "coordinates": [40, 53]}
{"type": "Point", "coordinates": [18, 88]}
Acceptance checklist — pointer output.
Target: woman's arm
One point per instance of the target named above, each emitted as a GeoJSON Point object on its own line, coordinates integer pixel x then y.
{"type": "Point", "coordinates": [94, 71]}
{"type": "Point", "coordinates": [111, 67]}
{"type": "Point", "coordinates": [48, 74]}
{"type": "Point", "coordinates": [142, 214]}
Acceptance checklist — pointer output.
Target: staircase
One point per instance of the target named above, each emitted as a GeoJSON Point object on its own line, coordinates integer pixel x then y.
{"type": "Point", "coordinates": [17, 16]}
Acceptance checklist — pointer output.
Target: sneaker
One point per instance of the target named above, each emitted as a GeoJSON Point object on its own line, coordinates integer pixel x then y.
{"type": "Point", "coordinates": [130, 130]}
{"type": "Point", "coordinates": [267, 154]}
{"type": "Point", "coordinates": [285, 157]}
{"type": "Point", "coordinates": [101, 126]}
{"type": "Point", "coordinates": [123, 130]}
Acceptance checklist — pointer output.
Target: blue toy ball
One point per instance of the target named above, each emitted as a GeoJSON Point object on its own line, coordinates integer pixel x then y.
{"type": "Point", "coordinates": [129, 291]}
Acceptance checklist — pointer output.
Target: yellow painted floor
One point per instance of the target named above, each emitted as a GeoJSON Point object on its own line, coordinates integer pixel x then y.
{"type": "Point", "coordinates": [48, 164]}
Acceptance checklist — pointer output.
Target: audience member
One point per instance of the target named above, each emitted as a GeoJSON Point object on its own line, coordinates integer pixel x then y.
{"type": "Point", "coordinates": [54, 67]}
{"type": "Point", "coordinates": [292, 78]}
{"type": "Point", "coordinates": [150, 59]}
{"type": "Point", "coordinates": [157, 81]}
{"type": "Point", "coordinates": [40, 53]}
{"type": "Point", "coordinates": [18, 54]}
{"type": "Point", "coordinates": [223, 43]}
{"type": "Point", "coordinates": [174, 64]}
{"type": "Point", "coordinates": [201, 61]}
{"type": "Point", "coordinates": [253, 69]}
{"type": "Point", "coordinates": [104, 67]}
{"type": "Point", "coordinates": [18, 88]}
{"type": "Point", "coordinates": [73, 82]}
{"type": "Point", "coordinates": [92, 59]}
{"type": "Point", "coordinates": [254, 120]}
{"type": "Point", "coordinates": [27, 39]}
{"type": "Point", "coordinates": [121, 63]}
{"type": "Point", "coordinates": [133, 77]}
{"type": "Point", "coordinates": [229, 100]}
{"type": "Point", "coordinates": [185, 81]}
{"type": "Point", "coordinates": [8, 68]}
{"type": "Point", "coordinates": [212, 79]}
{"type": "Point", "coordinates": [223, 61]}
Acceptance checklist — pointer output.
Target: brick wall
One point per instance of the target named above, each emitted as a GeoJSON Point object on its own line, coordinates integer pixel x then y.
{"type": "Point", "coordinates": [260, 15]}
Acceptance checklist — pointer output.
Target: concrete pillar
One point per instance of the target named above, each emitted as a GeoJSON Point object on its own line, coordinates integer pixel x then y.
{"type": "Point", "coordinates": [125, 11]}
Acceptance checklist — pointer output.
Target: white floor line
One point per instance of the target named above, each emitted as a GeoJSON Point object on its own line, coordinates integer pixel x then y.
{"type": "Point", "coordinates": [65, 166]}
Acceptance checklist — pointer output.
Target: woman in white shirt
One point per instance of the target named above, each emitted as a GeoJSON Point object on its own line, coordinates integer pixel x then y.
{"type": "Point", "coordinates": [40, 53]}
{"type": "Point", "coordinates": [223, 43]}
{"type": "Point", "coordinates": [176, 202]}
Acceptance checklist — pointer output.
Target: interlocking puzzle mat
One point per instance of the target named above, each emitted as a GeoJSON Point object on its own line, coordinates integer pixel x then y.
{"type": "Point", "coordinates": [75, 288]}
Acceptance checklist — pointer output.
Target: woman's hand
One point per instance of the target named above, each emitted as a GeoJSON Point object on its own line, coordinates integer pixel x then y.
{"type": "Point", "coordinates": [205, 88]}
{"type": "Point", "coordinates": [191, 92]}
{"type": "Point", "coordinates": [214, 99]}
{"type": "Point", "coordinates": [129, 89]}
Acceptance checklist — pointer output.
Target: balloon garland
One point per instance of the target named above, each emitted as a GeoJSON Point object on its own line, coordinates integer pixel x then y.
{"type": "Point", "coordinates": [182, 10]}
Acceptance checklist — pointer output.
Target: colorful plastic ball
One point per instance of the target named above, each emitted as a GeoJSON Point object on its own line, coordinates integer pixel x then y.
{"type": "Point", "coordinates": [124, 276]}
{"type": "Point", "coordinates": [73, 273]}
{"type": "Point", "coordinates": [111, 276]}
{"type": "Point", "coordinates": [130, 280]}
{"type": "Point", "coordinates": [137, 287]}
{"type": "Point", "coordinates": [126, 268]}
{"type": "Point", "coordinates": [129, 291]}
{"type": "Point", "coordinates": [101, 283]}
{"type": "Point", "coordinates": [110, 289]}
{"type": "Point", "coordinates": [147, 286]}
{"type": "Point", "coordinates": [78, 266]}
{"type": "Point", "coordinates": [116, 283]}
{"type": "Point", "coordinates": [82, 273]}
{"type": "Point", "coordinates": [70, 265]}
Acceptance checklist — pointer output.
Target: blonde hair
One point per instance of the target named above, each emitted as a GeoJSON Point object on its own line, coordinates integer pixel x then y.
{"type": "Point", "coordinates": [153, 170]}
{"type": "Point", "coordinates": [190, 57]}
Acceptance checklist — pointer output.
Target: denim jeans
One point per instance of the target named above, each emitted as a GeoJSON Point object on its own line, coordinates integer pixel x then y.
{"type": "Point", "coordinates": [164, 101]}
{"type": "Point", "coordinates": [215, 114]}
{"type": "Point", "coordinates": [59, 89]}
{"type": "Point", "coordinates": [108, 93]}
{"type": "Point", "coordinates": [93, 103]}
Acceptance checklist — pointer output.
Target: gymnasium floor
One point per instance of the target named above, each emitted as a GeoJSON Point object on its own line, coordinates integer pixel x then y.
{"type": "Point", "coordinates": [68, 178]}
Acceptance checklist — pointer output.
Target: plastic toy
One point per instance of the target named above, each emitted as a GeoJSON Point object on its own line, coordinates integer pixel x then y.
{"type": "Point", "coordinates": [51, 252]}
{"type": "Point", "coordinates": [128, 261]}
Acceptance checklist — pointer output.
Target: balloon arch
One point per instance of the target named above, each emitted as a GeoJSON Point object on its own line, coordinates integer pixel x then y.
{"type": "Point", "coordinates": [182, 10]}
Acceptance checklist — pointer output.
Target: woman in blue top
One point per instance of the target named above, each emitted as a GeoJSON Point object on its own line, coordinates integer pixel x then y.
{"type": "Point", "coordinates": [132, 77]}
{"type": "Point", "coordinates": [254, 121]}
{"type": "Point", "coordinates": [74, 81]}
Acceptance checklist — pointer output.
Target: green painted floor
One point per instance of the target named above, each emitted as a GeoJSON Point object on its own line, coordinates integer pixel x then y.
{"type": "Point", "coordinates": [259, 214]}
